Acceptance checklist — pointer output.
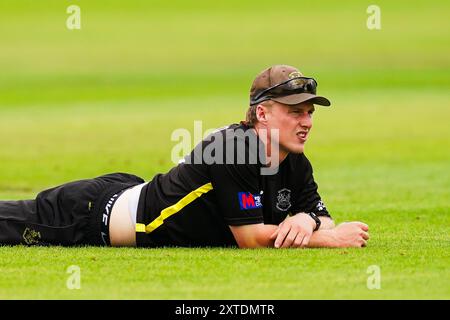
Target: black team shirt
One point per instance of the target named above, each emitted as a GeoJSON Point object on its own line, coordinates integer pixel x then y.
{"type": "Point", "coordinates": [194, 204]}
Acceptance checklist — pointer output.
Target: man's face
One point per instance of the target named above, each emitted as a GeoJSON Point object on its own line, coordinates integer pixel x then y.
{"type": "Point", "coordinates": [293, 122]}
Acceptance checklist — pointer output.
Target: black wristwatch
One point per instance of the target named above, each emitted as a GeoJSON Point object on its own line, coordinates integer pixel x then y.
{"type": "Point", "coordinates": [316, 219]}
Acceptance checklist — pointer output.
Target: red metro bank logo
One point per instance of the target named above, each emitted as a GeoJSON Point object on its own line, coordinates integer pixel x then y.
{"type": "Point", "coordinates": [249, 201]}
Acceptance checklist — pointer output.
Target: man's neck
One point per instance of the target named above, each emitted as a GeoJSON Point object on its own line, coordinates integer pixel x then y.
{"type": "Point", "coordinates": [266, 140]}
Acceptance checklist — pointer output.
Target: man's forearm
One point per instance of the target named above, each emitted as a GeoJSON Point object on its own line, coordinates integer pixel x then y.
{"type": "Point", "coordinates": [326, 223]}
{"type": "Point", "coordinates": [323, 239]}
{"type": "Point", "coordinates": [260, 236]}
{"type": "Point", "coordinates": [263, 236]}
{"type": "Point", "coordinates": [254, 236]}
{"type": "Point", "coordinates": [352, 234]}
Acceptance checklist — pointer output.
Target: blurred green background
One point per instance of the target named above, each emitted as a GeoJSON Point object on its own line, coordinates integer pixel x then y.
{"type": "Point", "coordinates": [80, 103]}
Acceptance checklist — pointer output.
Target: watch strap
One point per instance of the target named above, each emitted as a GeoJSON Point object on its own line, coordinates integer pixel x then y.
{"type": "Point", "coordinates": [316, 219]}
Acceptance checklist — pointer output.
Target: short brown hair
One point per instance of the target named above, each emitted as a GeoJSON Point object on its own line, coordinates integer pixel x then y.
{"type": "Point", "coordinates": [250, 117]}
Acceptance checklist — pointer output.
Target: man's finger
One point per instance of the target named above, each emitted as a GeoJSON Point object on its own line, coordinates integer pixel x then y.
{"type": "Point", "coordinates": [290, 238]}
{"type": "Point", "coordinates": [363, 226]}
{"type": "Point", "coordinates": [305, 241]}
{"type": "Point", "coordinates": [274, 234]}
{"type": "Point", "coordinates": [364, 243]}
{"type": "Point", "coordinates": [365, 235]}
{"type": "Point", "coordinates": [284, 230]}
{"type": "Point", "coordinates": [298, 240]}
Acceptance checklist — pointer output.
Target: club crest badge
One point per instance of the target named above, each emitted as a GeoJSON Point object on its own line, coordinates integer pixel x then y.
{"type": "Point", "coordinates": [31, 236]}
{"type": "Point", "coordinates": [283, 199]}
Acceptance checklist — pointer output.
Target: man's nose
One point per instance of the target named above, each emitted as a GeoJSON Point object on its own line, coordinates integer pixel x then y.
{"type": "Point", "coordinates": [306, 121]}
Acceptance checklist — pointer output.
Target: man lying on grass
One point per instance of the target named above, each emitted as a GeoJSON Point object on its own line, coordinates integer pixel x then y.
{"type": "Point", "coordinates": [247, 184]}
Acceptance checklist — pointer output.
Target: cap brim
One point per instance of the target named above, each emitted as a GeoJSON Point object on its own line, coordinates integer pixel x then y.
{"type": "Point", "coordinates": [303, 97]}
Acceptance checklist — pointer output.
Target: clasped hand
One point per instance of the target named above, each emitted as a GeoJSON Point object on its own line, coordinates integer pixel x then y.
{"type": "Point", "coordinates": [294, 231]}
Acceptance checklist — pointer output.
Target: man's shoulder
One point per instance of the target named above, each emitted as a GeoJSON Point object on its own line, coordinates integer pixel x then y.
{"type": "Point", "coordinates": [235, 144]}
{"type": "Point", "coordinates": [237, 137]}
{"type": "Point", "coordinates": [232, 131]}
{"type": "Point", "coordinates": [298, 161]}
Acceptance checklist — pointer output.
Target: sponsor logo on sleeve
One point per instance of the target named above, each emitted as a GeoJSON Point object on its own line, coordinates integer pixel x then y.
{"type": "Point", "coordinates": [249, 201]}
{"type": "Point", "coordinates": [320, 206]}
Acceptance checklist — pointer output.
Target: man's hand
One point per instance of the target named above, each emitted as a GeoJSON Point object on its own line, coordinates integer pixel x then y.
{"type": "Point", "coordinates": [294, 231]}
{"type": "Point", "coordinates": [351, 234]}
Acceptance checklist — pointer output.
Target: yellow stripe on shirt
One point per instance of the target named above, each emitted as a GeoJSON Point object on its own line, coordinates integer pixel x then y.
{"type": "Point", "coordinates": [169, 211]}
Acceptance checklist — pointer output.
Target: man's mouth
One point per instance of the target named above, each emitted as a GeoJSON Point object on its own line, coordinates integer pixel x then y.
{"type": "Point", "coordinates": [302, 135]}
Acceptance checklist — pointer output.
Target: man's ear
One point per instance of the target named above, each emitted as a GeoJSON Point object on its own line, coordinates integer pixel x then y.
{"type": "Point", "coordinates": [261, 114]}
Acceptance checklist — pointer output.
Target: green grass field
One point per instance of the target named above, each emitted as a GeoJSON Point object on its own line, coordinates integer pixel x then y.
{"type": "Point", "coordinates": [80, 103]}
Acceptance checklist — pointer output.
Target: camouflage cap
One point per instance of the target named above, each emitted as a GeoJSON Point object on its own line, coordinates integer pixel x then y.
{"type": "Point", "coordinates": [277, 75]}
